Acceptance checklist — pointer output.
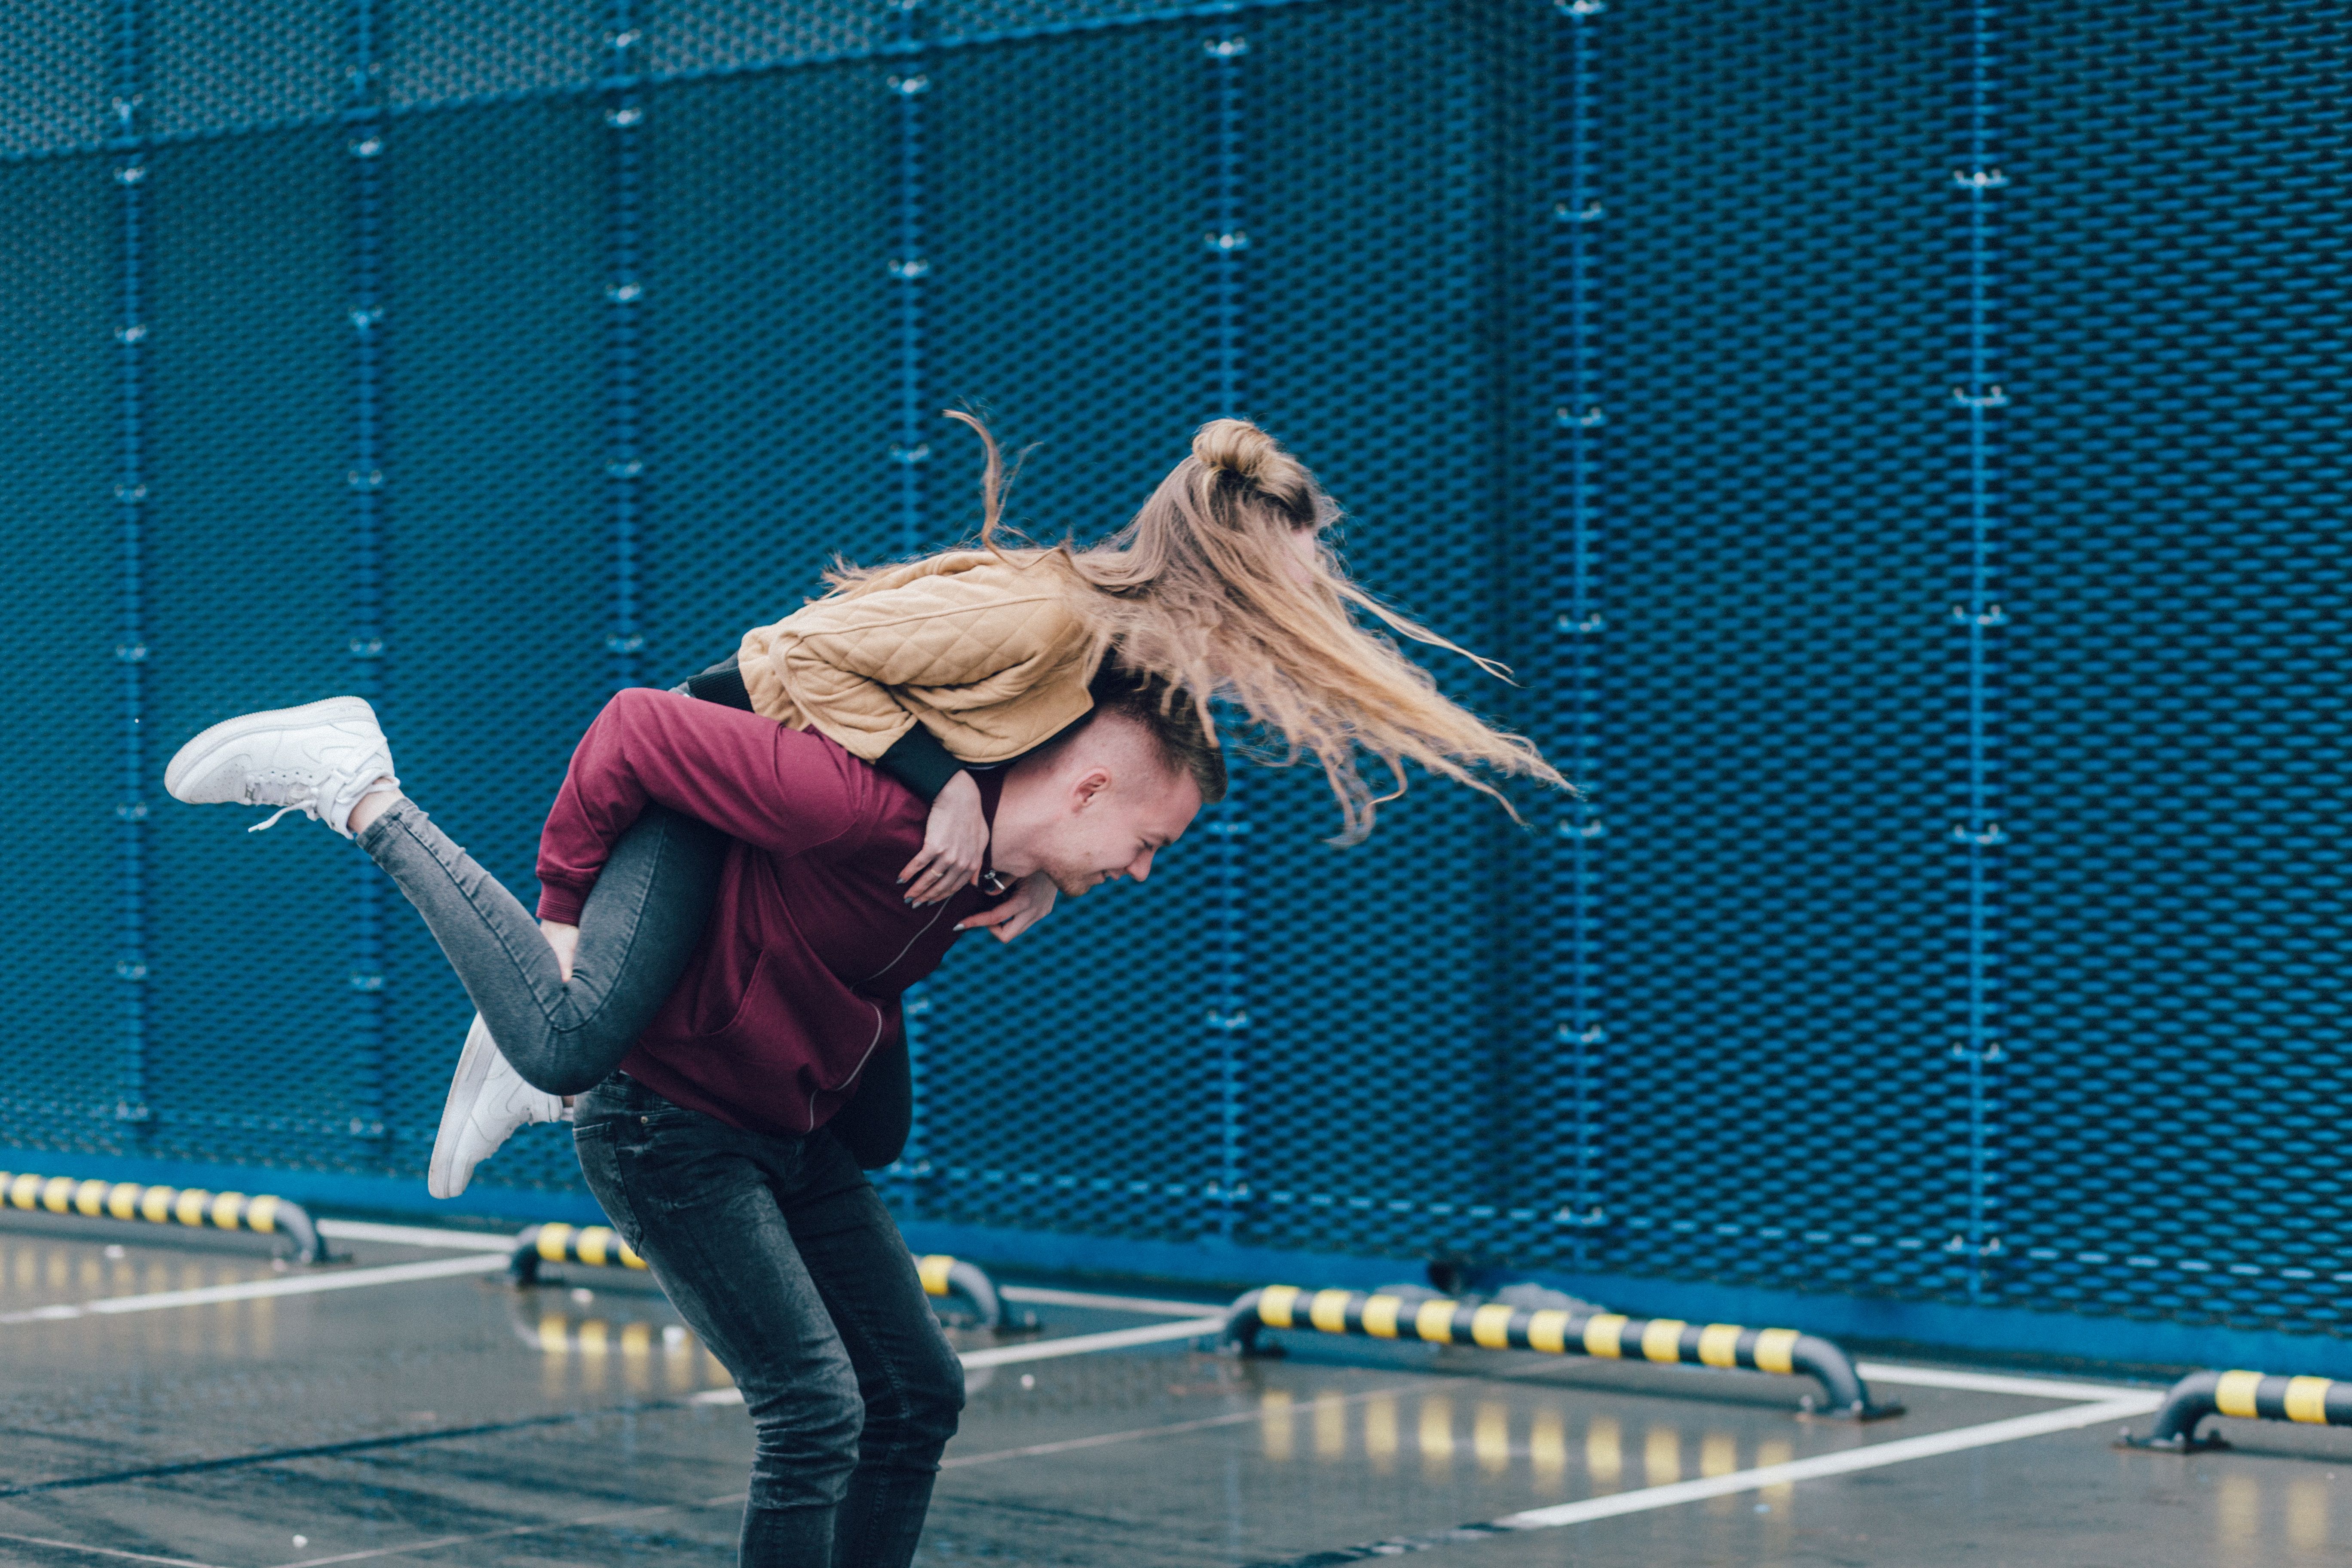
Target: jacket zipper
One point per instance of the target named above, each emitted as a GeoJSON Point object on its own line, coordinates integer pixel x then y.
{"type": "Point", "coordinates": [877, 1040]}
{"type": "Point", "coordinates": [911, 942]}
{"type": "Point", "coordinates": [852, 1071]}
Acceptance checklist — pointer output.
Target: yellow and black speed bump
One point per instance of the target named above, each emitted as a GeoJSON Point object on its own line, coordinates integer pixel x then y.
{"type": "Point", "coordinates": [598, 1246]}
{"type": "Point", "coordinates": [2251, 1395]}
{"type": "Point", "coordinates": [160, 1204]}
{"type": "Point", "coordinates": [602, 1247]}
{"type": "Point", "coordinates": [944, 1276]}
{"type": "Point", "coordinates": [1559, 1331]}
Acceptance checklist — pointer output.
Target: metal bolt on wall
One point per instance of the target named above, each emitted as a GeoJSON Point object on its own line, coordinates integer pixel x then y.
{"type": "Point", "coordinates": [363, 116]}
{"type": "Point", "coordinates": [1576, 421]}
{"type": "Point", "coordinates": [625, 291]}
{"type": "Point", "coordinates": [126, 162]}
{"type": "Point", "coordinates": [1978, 618]}
{"type": "Point", "coordinates": [1227, 824]}
{"type": "Point", "coordinates": [908, 84]}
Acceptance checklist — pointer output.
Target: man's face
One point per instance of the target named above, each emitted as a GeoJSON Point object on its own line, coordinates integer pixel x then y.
{"type": "Point", "coordinates": [1110, 824]}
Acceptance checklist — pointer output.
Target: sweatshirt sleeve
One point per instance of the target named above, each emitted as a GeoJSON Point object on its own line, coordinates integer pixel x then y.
{"type": "Point", "coordinates": [784, 790]}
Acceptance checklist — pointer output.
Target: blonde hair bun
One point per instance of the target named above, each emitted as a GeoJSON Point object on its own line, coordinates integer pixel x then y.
{"type": "Point", "coordinates": [1237, 446]}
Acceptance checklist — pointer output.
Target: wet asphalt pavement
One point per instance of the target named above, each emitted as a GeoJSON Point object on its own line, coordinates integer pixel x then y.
{"type": "Point", "coordinates": [452, 1420]}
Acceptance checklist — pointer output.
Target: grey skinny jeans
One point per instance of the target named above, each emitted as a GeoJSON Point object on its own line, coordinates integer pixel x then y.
{"type": "Point", "coordinates": [637, 932]}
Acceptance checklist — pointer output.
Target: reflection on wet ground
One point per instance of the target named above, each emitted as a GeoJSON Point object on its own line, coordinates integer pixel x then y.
{"type": "Point", "coordinates": [460, 1422]}
{"type": "Point", "coordinates": [36, 1271]}
{"type": "Point", "coordinates": [1439, 1431]}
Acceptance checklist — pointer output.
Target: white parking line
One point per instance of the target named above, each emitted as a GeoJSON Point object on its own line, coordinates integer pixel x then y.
{"type": "Point", "coordinates": [1041, 1350]}
{"type": "Point", "coordinates": [2087, 1404]}
{"type": "Point", "coordinates": [417, 1236]}
{"type": "Point", "coordinates": [1044, 1297]}
{"type": "Point", "coordinates": [293, 1285]}
{"type": "Point", "coordinates": [114, 1553]}
{"type": "Point", "coordinates": [1870, 1457]}
{"type": "Point", "coordinates": [1991, 1382]}
{"type": "Point", "coordinates": [486, 1250]}
{"type": "Point", "coordinates": [1085, 1344]}
{"type": "Point", "coordinates": [614, 1516]}
{"type": "Point", "coordinates": [491, 1241]}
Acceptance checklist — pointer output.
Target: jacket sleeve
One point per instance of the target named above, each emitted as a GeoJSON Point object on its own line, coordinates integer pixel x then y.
{"type": "Point", "coordinates": [784, 790]}
{"type": "Point", "coordinates": [917, 760]}
{"type": "Point", "coordinates": [838, 658]}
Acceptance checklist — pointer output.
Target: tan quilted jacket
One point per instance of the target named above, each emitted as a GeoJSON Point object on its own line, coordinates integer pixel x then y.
{"type": "Point", "coordinates": [989, 655]}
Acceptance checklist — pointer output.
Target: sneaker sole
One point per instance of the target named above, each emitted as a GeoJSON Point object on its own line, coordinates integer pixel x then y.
{"type": "Point", "coordinates": [441, 1178]}
{"type": "Point", "coordinates": [193, 757]}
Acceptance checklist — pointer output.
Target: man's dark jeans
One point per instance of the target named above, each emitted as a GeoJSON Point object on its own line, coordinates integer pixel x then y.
{"type": "Point", "coordinates": [779, 1254]}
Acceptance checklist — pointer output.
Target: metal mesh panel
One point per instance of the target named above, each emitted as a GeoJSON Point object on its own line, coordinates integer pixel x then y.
{"type": "Point", "coordinates": [497, 560]}
{"type": "Point", "coordinates": [218, 63]}
{"type": "Point", "coordinates": [248, 560]}
{"type": "Point", "coordinates": [1935, 579]}
{"type": "Point", "coordinates": [1776, 706]}
{"type": "Point", "coordinates": [1373, 1035]}
{"type": "Point", "coordinates": [2176, 911]}
{"type": "Point", "coordinates": [63, 1046]}
{"type": "Point", "coordinates": [691, 36]}
{"type": "Point", "coordinates": [56, 80]}
{"type": "Point", "coordinates": [768, 346]}
{"type": "Point", "coordinates": [1066, 292]}
{"type": "Point", "coordinates": [439, 50]}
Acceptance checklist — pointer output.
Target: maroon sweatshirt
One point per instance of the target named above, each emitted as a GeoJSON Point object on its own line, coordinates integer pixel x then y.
{"type": "Point", "coordinates": [810, 942]}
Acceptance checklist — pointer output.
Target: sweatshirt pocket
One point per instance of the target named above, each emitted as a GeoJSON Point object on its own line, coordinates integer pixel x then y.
{"type": "Point", "coordinates": [718, 1009]}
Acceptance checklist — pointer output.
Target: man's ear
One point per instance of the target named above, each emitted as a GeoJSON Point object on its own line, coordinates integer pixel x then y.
{"type": "Point", "coordinates": [1090, 784]}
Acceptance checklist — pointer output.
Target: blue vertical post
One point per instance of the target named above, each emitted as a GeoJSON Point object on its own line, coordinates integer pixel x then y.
{"type": "Point", "coordinates": [1979, 618]}
{"type": "Point", "coordinates": [909, 457]}
{"type": "Point", "coordinates": [624, 294]}
{"type": "Point", "coordinates": [909, 453]}
{"type": "Point", "coordinates": [127, 165]}
{"type": "Point", "coordinates": [1227, 824]}
{"type": "Point", "coordinates": [1576, 422]}
{"type": "Point", "coordinates": [365, 479]}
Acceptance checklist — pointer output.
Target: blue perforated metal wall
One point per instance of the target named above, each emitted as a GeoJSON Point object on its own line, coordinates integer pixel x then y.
{"type": "Point", "coordinates": [1899, 445]}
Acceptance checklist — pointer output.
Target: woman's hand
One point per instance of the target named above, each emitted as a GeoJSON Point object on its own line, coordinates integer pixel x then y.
{"type": "Point", "coordinates": [1031, 901]}
{"type": "Point", "coordinates": [955, 841]}
{"type": "Point", "coordinates": [565, 940]}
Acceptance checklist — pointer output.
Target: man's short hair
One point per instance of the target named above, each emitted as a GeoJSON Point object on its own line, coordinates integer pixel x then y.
{"type": "Point", "coordinates": [1179, 739]}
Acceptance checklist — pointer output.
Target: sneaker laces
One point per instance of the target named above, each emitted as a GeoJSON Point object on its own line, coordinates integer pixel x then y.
{"type": "Point", "coordinates": [343, 790]}
{"type": "Point", "coordinates": [308, 807]}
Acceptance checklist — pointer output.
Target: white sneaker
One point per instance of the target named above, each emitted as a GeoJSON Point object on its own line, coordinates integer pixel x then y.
{"type": "Point", "coordinates": [488, 1101]}
{"type": "Point", "coordinates": [321, 758]}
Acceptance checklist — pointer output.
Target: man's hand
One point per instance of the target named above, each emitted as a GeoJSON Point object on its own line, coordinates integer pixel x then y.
{"type": "Point", "coordinates": [565, 940]}
{"type": "Point", "coordinates": [955, 841]}
{"type": "Point", "coordinates": [1031, 901]}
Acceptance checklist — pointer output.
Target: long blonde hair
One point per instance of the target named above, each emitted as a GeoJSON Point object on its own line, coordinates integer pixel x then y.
{"type": "Point", "coordinates": [1205, 591]}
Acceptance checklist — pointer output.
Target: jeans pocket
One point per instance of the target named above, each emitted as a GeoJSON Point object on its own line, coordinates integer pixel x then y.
{"type": "Point", "coordinates": [661, 1115]}
{"type": "Point", "coordinates": [598, 1146]}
